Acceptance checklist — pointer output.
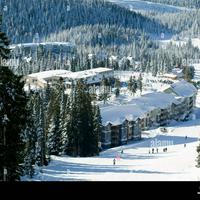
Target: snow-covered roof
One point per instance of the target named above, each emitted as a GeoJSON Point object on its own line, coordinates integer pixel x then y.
{"type": "Point", "coordinates": [137, 108]}
{"type": "Point", "coordinates": [184, 89]}
{"type": "Point", "coordinates": [79, 75]}
{"type": "Point", "coordinates": [155, 100]}
{"type": "Point", "coordinates": [170, 75]}
{"type": "Point", "coordinates": [177, 71]}
{"type": "Point", "coordinates": [117, 114]}
{"type": "Point", "coordinates": [86, 73]}
{"type": "Point", "coordinates": [68, 74]}
{"type": "Point", "coordinates": [49, 74]}
{"type": "Point", "coordinates": [113, 57]}
{"type": "Point", "coordinates": [99, 70]}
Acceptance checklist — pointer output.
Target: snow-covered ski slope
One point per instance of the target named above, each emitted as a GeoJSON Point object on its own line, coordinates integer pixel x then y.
{"type": "Point", "coordinates": [138, 5]}
{"type": "Point", "coordinates": [135, 164]}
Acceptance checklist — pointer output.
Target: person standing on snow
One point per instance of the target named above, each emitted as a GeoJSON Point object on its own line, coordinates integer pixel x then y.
{"type": "Point", "coordinates": [114, 161]}
{"type": "Point", "coordinates": [122, 151]}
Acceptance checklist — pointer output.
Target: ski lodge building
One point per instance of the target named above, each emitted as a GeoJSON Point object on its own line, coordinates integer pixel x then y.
{"type": "Point", "coordinates": [90, 77]}
{"type": "Point", "coordinates": [124, 123]}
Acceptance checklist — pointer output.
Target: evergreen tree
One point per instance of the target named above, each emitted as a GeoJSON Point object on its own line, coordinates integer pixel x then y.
{"type": "Point", "coordinates": [81, 137]}
{"type": "Point", "coordinates": [139, 83]}
{"type": "Point", "coordinates": [65, 121]}
{"type": "Point", "coordinates": [30, 139]}
{"type": "Point", "coordinates": [189, 72]}
{"type": "Point", "coordinates": [132, 85]}
{"type": "Point", "coordinates": [198, 158]}
{"type": "Point", "coordinates": [117, 86]}
{"type": "Point", "coordinates": [54, 135]}
{"type": "Point", "coordinates": [97, 123]}
{"type": "Point", "coordinates": [155, 70]}
{"type": "Point", "coordinates": [4, 47]}
{"type": "Point", "coordinates": [117, 92]}
{"type": "Point", "coordinates": [13, 116]}
{"type": "Point", "coordinates": [73, 139]}
{"type": "Point", "coordinates": [57, 132]}
{"type": "Point", "coordinates": [63, 108]}
{"type": "Point", "coordinates": [41, 148]}
{"type": "Point", "coordinates": [104, 90]}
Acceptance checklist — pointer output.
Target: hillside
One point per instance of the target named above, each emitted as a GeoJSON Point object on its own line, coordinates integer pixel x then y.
{"type": "Point", "coordinates": [96, 27]}
{"type": "Point", "coordinates": [42, 18]}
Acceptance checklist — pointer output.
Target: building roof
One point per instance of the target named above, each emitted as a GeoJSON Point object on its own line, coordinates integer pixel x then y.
{"type": "Point", "coordinates": [155, 100]}
{"type": "Point", "coordinates": [100, 69]}
{"type": "Point", "coordinates": [183, 88]}
{"type": "Point", "coordinates": [177, 71]}
{"type": "Point", "coordinates": [137, 108]}
{"type": "Point", "coordinates": [116, 115]}
{"type": "Point", "coordinates": [69, 74]}
{"type": "Point", "coordinates": [86, 73]}
{"type": "Point", "coordinates": [168, 75]}
{"type": "Point", "coordinates": [49, 74]}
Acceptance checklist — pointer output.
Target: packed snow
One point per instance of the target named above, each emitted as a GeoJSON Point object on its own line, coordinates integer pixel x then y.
{"type": "Point", "coordinates": [137, 162]}
{"type": "Point", "coordinates": [138, 5]}
{"type": "Point", "coordinates": [164, 42]}
{"type": "Point", "coordinates": [68, 44]}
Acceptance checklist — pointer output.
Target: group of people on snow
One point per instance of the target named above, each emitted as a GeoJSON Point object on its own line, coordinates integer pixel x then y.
{"type": "Point", "coordinates": [150, 151]}
{"type": "Point", "coordinates": [117, 157]}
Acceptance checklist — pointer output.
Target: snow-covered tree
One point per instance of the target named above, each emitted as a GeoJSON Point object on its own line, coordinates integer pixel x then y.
{"type": "Point", "coordinates": [41, 148]}
{"type": "Point", "coordinates": [105, 90]}
{"type": "Point", "coordinates": [12, 122]}
{"type": "Point", "coordinates": [139, 83]}
{"type": "Point", "coordinates": [132, 85]}
{"type": "Point", "coordinates": [30, 138]}
{"type": "Point", "coordinates": [97, 124]}
{"type": "Point", "coordinates": [198, 157]}
{"type": "Point", "coordinates": [82, 140]}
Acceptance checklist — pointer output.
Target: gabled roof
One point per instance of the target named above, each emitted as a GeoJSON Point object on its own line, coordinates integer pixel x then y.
{"type": "Point", "coordinates": [48, 74]}
{"type": "Point", "coordinates": [155, 100]}
{"type": "Point", "coordinates": [69, 74]}
{"type": "Point", "coordinates": [116, 115]}
{"type": "Point", "coordinates": [137, 108]}
{"type": "Point", "coordinates": [183, 89]}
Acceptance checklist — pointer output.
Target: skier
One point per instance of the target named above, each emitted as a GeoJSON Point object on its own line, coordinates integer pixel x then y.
{"type": "Point", "coordinates": [184, 145]}
{"type": "Point", "coordinates": [157, 150]}
{"type": "Point", "coordinates": [152, 150]}
{"type": "Point", "coordinates": [165, 149]}
{"type": "Point", "coordinates": [186, 137]}
{"type": "Point", "coordinates": [122, 151]}
{"type": "Point", "coordinates": [114, 161]}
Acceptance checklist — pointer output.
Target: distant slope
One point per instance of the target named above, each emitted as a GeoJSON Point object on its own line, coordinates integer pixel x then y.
{"type": "Point", "coordinates": [182, 3]}
{"type": "Point", "coordinates": [24, 19]}
{"type": "Point", "coordinates": [138, 5]}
